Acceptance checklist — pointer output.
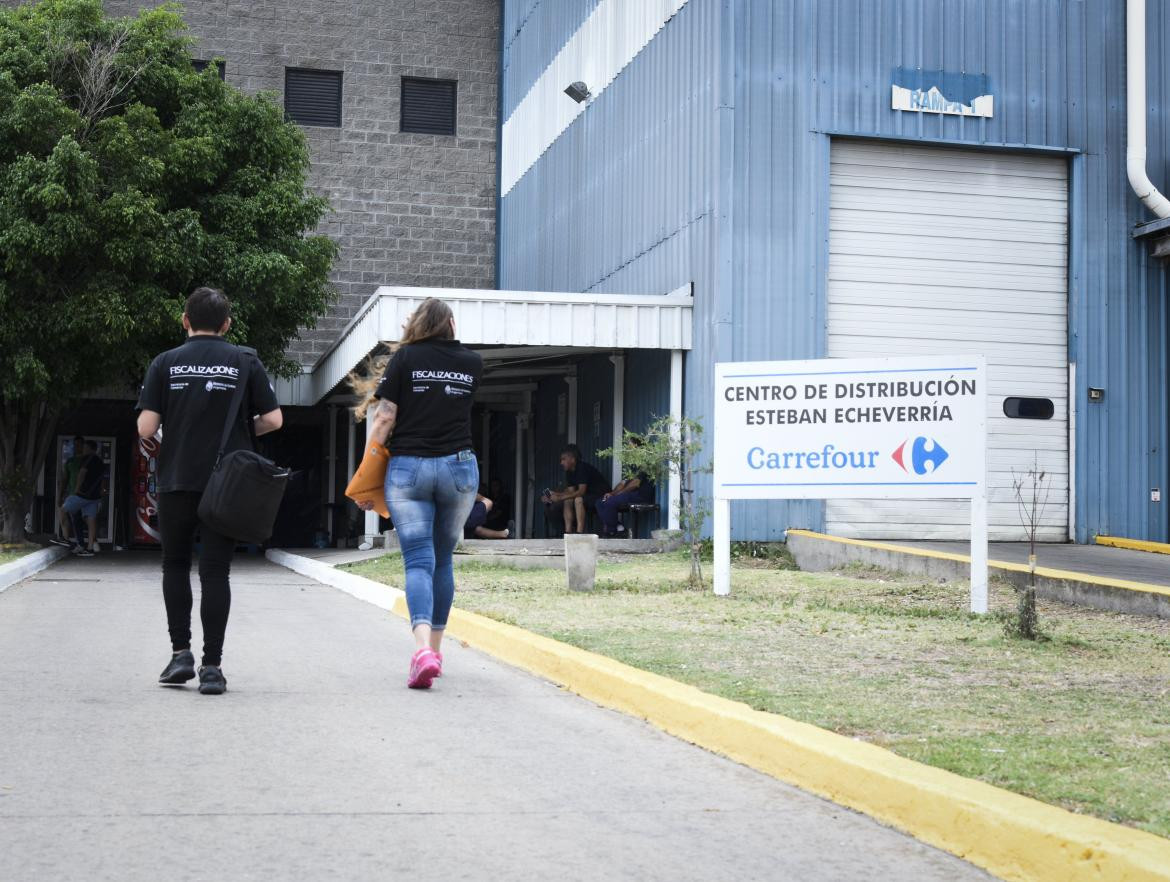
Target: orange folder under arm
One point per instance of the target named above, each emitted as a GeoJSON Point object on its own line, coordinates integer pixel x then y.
{"type": "Point", "coordinates": [369, 481]}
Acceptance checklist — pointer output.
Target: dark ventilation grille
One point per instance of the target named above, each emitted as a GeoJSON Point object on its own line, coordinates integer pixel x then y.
{"type": "Point", "coordinates": [313, 97]}
{"type": "Point", "coordinates": [1028, 408]}
{"type": "Point", "coordinates": [220, 65]}
{"type": "Point", "coordinates": [428, 106]}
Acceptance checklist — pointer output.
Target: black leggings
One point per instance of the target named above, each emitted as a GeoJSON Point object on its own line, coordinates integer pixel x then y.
{"type": "Point", "coordinates": [177, 522]}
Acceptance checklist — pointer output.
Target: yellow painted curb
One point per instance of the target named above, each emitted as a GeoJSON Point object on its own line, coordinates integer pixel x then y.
{"type": "Point", "coordinates": [1133, 544]}
{"type": "Point", "coordinates": [1006, 566]}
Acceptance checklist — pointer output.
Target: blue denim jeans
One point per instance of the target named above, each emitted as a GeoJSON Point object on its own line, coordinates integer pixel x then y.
{"type": "Point", "coordinates": [429, 499]}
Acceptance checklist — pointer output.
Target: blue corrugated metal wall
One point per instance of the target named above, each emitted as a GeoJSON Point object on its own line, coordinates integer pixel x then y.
{"type": "Point", "coordinates": [533, 32]}
{"type": "Point", "coordinates": [1057, 70]}
{"type": "Point", "coordinates": [624, 200]}
{"type": "Point", "coordinates": [706, 160]}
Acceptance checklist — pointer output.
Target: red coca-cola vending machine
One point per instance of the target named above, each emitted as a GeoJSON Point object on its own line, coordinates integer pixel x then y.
{"type": "Point", "coordinates": [144, 492]}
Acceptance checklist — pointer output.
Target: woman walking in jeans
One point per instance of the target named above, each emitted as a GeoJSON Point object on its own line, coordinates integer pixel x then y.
{"type": "Point", "coordinates": [423, 406]}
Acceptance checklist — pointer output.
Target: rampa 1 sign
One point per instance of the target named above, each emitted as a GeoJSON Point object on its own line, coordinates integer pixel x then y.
{"type": "Point", "coordinates": [880, 428]}
{"type": "Point", "coordinates": [889, 428]}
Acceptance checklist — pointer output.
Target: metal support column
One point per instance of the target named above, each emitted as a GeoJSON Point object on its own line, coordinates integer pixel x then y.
{"type": "Point", "coordinates": [518, 482]}
{"type": "Point", "coordinates": [331, 495]}
{"type": "Point", "coordinates": [674, 484]}
{"type": "Point", "coordinates": [571, 434]}
{"type": "Point", "coordinates": [619, 416]}
{"type": "Point", "coordinates": [372, 521]}
{"type": "Point", "coordinates": [530, 475]}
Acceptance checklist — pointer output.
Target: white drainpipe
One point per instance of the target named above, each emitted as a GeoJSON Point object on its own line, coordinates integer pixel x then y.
{"type": "Point", "coordinates": [1135, 83]}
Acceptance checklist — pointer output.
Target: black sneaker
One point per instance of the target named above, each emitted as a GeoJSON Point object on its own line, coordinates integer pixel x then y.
{"type": "Point", "coordinates": [64, 543]}
{"type": "Point", "coordinates": [212, 680]}
{"type": "Point", "coordinates": [179, 671]}
{"type": "Point", "coordinates": [82, 552]}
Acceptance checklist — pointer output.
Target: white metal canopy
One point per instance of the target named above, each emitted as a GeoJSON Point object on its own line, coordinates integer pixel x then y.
{"type": "Point", "coordinates": [504, 318]}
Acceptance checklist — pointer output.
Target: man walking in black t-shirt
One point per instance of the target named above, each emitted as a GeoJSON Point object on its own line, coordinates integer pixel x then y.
{"type": "Point", "coordinates": [584, 485]}
{"type": "Point", "coordinates": [187, 392]}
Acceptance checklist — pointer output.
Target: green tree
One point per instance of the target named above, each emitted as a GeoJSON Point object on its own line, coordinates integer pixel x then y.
{"type": "Point", "coordinates": [126, 180]}
{"type": "Point", "coordinates": [670, 446]}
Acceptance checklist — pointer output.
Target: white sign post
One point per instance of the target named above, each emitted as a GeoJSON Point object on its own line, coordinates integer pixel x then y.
{"type": "Point", "coordinates": [890, 428]}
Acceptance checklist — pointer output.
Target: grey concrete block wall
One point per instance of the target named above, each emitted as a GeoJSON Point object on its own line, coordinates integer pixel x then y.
{"type": "Point", "coordinates": [408, 209]}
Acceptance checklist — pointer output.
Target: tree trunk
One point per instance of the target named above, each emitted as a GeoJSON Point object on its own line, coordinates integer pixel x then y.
{"type": "Point", "coordinates": [696, 564]}
{"type": "Point", "coordinates": [1028, 618]}
{"type": "Point", "coordinates": [26, 436]}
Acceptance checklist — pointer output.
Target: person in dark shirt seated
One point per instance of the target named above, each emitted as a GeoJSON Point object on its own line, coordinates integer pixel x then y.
{"type": "Point", "coordinates": [475, 527]}
{"type": "Point", "coordinates": [584, 485]}
{"type": "Point", "coordinates": [638, 490]}
{"type": "Point", "coordinates": [500, 511]}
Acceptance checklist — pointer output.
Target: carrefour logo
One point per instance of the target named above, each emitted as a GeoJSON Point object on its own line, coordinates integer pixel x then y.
{"type": "Point", "coordinates": [923, 458]}
{"type": "Point", "coordinates": [917, 456]}
{"type": "Point", "coordinates": [827, 457]}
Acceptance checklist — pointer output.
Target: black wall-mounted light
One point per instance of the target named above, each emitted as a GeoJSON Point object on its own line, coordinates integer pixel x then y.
{"type": "Point", "coordinates": [578, 91]}
{"type": "Point", "coordinates": [1096, 395]}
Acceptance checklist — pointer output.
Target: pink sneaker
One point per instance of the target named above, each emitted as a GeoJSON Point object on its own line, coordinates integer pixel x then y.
{"type": "Point", "coordinates": [424, 667]}
{"type": "Point", "coordinates": [439, 656]}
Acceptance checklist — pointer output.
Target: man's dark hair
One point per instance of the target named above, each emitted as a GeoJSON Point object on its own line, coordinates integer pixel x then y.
{"type": "Point", "coordinates": [573, 449]}
{"type": "Point", "coordinates": [207, 309]}
{"type": "Point", "coordinates": [78, 440]}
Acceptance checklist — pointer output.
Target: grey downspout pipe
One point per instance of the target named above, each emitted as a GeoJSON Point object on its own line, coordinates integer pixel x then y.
{"type": "Point", "coordinates": [1135, 86]}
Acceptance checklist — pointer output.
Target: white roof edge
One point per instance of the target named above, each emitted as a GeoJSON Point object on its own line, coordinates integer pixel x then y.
{"type": "Point", "coordinates": [679, 297]}
{"type": "Point", "coordinates": [364, 331]}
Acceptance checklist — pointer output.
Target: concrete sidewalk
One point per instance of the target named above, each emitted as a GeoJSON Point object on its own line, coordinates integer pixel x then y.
{"type": "Point", "coordinates": [1093, 560]}
{"type": "Point", "coordinates": [319, 764]}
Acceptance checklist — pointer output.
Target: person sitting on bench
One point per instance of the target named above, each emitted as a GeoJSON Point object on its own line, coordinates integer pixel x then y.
{"type": "Point", "coordinates": [474, 527]}
{"type": "Point", "coordinates": [584, 485]}
{"type": "Point", "coordinates": [500, 511]}
{"type": "Point", "coordinates": [638, 490]}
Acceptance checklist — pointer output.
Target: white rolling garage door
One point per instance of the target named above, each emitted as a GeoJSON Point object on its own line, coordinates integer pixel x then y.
{"type": "Point", "coordinates": [944, 252]}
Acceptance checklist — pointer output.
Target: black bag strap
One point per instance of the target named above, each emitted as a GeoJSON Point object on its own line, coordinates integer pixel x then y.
{"type": "Point", "coordinates": [237, 401]}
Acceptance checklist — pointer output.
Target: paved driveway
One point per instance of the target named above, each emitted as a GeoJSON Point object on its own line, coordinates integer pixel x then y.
{"type": "Point", "coordinates": [318, 764]}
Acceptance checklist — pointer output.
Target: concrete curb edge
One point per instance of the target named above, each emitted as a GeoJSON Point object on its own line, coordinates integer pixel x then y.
{"type": "Point", "coordinates": [22, 568]}
{"type": "Point", "coordinates": [1006, 566]}
{"type": "Point", "coordinates": [1012, 836]}
{"type": "Point", "coordinates": [1133, 544]}
{"type": "Point", "coordinates": [382, 596]}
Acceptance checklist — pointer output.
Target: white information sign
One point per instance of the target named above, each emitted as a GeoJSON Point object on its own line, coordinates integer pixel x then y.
{"type": "Point", "coordinates": [890, 428]}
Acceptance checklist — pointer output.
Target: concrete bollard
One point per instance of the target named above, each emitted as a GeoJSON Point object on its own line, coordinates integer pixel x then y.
{"type": "Point", "coordinates": [581, 560]}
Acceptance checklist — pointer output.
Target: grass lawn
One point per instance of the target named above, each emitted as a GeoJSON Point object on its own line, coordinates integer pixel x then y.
{"type": "Point", "coordinates": [9, 553]}
{"type": "Point", "coordinates": [1080, 719]}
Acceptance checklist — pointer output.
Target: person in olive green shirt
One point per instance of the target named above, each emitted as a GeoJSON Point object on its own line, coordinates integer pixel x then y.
{"type": "Point", "coordinates": [68, 486]}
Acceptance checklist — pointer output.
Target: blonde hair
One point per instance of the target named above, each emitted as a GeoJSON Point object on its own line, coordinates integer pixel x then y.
{"type": "Point", "coordinates": [432, 320]}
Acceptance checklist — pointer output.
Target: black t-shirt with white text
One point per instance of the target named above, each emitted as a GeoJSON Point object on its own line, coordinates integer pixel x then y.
{"type": "Point", "coordinates": [432, 382]}
{"type": "Point", "coordinates": [584, 473]}
{"type": "Point", "coordinates": [191, 386]}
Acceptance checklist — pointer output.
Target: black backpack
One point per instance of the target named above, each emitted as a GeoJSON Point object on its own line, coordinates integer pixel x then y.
{"type": "Point", "coordinates": [245, 489]}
